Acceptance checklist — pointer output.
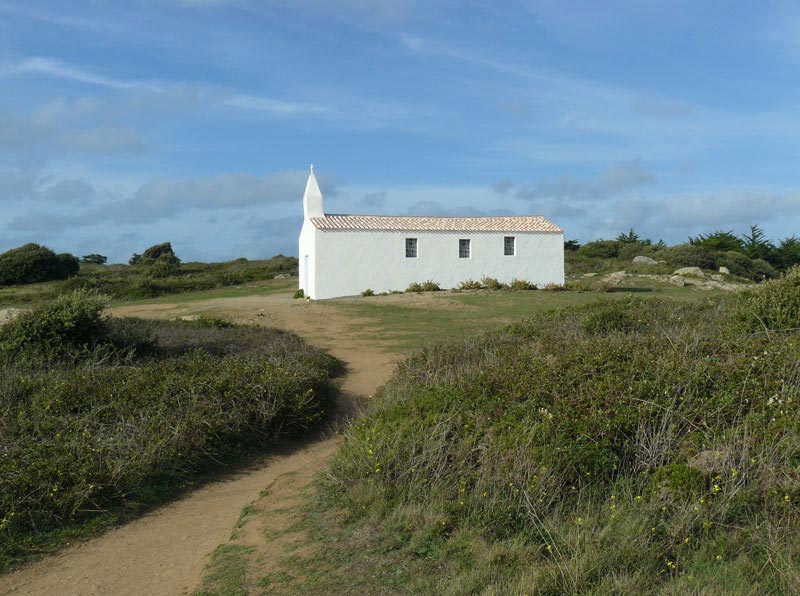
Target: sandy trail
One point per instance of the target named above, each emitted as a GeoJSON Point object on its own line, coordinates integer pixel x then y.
{"type": "Point", "coordinates": [164, 552]}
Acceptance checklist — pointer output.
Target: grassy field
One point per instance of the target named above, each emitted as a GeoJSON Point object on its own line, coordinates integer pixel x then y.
{"type": "Point", "coordinates": [410, 321]}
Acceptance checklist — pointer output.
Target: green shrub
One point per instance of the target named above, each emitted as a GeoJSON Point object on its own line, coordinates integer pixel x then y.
{"type": "Point", "coordinates": [521, 284]}
{"type": "Point", "coordinates": [299, 293]}
{"type": "Point", "coordinates": [164, 266]}
{"type": "Point", "coordinates": [157, 251]}
{"type": "Point", "coordinates": [688, 255]}
{"type": "Point", "coordinates": [600, 249]}
{"type": "Point", "coordinates": [630, 250]}
{"type": "Point", "coordinates": [470, 285]}
{"type": "Point", "coordinates": [69, 325]}
{"type": "Point", "coordinates": [737, 263]}
{"type": "Point", "coordinates": [682, 479]}
{"type": "Point", "coordinates": [430, 286]}
{"type": "Point", "coordinates": [773, 306]}
{"type": "Point", "coordinates": [763, 270]}
{"type": "Point", "coordinates": [33, 263]}
{"type": "Point", "coordinates": [490, 283]}
{"type": "Point", "coordinates": [367, 292]}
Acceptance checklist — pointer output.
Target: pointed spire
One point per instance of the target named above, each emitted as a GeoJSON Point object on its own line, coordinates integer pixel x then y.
{"type": "Point", "coordinates": [312, 199]}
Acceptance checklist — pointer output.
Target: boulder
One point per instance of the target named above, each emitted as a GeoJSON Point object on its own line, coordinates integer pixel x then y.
{"type": "Point", "coordinates": [616, 277]}
{"type": "Point", "coordinates": [641, 260]}
{"type": "Point", "coordinates": [718, 277]}
{"type": "Point", "coordinates": [9, 314]}
{"type": "Point", "coordinates": [725, 270]}
{"type": "Point", "coordinates": [677, 280]}
{"type": "Point", "coordinates": [283, 276]}
{"type": "Point", "coordinates": [690, 272]}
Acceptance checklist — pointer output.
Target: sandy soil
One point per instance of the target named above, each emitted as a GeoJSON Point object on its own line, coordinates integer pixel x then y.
{"type": "Point", "coordinates": [164, 552]}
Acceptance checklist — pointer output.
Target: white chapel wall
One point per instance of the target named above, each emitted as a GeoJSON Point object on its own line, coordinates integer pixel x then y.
{"type": "Point", "coordinates": [348, 263]}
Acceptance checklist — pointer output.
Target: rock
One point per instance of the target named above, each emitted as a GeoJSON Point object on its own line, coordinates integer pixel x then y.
{"type": "Point", "coordinates": [283, 276]}
{"type": "Point", "coordinates": [644, 261]}
{"type": "Point", "coordinates": [589, 274]}
{"type": "Point", "coordinates": [189, 318]}
{"type": "Point", "coordinates": [9, 314]}
{"type": "Point", "coordinates": [689, 271]}
{"type": "Point", "coordinates": [677, 280]}
{"type": "Point", "coordinates": [718, 277]}
{"type": "Point", "coordinates": [616, 277]}
{"type": "Point", "coordinates": [725, 270]}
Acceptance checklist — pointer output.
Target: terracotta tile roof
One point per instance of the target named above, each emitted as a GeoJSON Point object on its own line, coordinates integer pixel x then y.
{"type": "Point", "coordinates": [386, 223]}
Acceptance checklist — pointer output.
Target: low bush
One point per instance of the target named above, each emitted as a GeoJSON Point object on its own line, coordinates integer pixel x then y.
{"type": "Point", "coordinates": [521, 284]}
{"type": "Point", "coordinates": [105, 417]}
{"type": "Point", "coordinates": [70, 325]}
{"type": "Point", "coordinates": [763, 270]}
{"type": "Point", "coordinates": [635, 446]}
{"type": "Point", "coordinates": [470, 284]}
{"type": "Point", "coordinates": [427, 286]}
{"type": "Point", "coordinates": [490, 283]}
{"type": "Point", "coordinates": [600, 249]}
{"type": "Point", "coordinates": [737, 263]}
{"type": "Point", "coordinates": [774, 306]}
{"type": "Point", "coordinates": [367, 292]}
{"type": "Point", "coordinates": [687, 255]}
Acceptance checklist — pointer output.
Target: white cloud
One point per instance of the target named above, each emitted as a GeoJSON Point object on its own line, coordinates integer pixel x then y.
{"type": "Point", "coordinates": [166, 199]}
{"type": "Point", "coordinates": [619, 178]}
{"type": "Point", "coordinates": [273, 106]}
{"type": "Point", "coordinates": [65, 126]}
{"type": "Point", "coordinates": [55, 68]}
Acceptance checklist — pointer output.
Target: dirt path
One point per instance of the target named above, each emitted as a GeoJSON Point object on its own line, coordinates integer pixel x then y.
{"type": "Point", "coordinates": [164, 552]}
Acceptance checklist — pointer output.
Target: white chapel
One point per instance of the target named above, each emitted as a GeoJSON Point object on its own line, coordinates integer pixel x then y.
{"type": "Point", "coordinates": [343, 255]}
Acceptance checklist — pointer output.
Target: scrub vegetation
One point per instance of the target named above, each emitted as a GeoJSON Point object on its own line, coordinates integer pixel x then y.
{"type": "Point", "coordinates": [101, 418]}
{"type": "Point", "coordinates": [638, 446]}
{"type": "Point", "coordinates": [33, 263]}
{"type": "Point", "coordinates": [751, 256]}
{"type": "Point", "coordinates": [150, 277]}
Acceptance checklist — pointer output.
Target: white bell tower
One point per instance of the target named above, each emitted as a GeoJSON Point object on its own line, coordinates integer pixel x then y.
{"type": "Point", "coordinates": [312, 199]}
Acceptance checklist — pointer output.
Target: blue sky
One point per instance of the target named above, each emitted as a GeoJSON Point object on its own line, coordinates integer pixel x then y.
{"type": "Point", "coordinates": [123, 124]}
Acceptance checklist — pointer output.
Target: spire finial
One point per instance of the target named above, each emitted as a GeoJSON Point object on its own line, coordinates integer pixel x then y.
{"type": "Point", "coordinates": [312, 168]}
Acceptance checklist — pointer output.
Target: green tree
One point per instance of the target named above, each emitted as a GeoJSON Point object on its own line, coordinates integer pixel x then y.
{"type": "Point", "coordinates": [571, 245]}
{"type": "Point", "coordinates": [788, 252]}
{"type": "Point", "coordinates": [94, 259]}
{"type": "Point", "coordinates": [718, 241]}
{"type": "Point", "coordinates": [756, 245]}
{"type": "Point", "coordinates": [631, 238]}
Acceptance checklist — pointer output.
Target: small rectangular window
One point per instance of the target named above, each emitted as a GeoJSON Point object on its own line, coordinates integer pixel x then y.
{"type": "Point", "coordinates": [463, 248]}
{"type": "Point", "coordinates": [411, 248]}
{"type": "Point", "coordinates": [510, 246]}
